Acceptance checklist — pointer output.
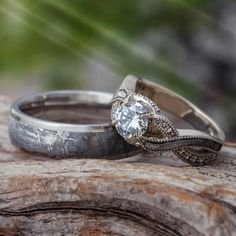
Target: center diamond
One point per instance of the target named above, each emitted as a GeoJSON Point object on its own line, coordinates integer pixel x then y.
{"type": "Point", "coordinates": [129, 120]}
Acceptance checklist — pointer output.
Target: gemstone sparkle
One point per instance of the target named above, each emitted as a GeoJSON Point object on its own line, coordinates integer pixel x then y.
{"type": "Point", "coordinates": [129, 120]}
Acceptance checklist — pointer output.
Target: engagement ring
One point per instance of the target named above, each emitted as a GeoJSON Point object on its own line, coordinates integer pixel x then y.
{"type": "Point", "coordinates": [138, 119]}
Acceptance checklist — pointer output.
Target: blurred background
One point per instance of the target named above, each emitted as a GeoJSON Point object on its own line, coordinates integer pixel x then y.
{"type": "Point", "coordinates": [187, 45]}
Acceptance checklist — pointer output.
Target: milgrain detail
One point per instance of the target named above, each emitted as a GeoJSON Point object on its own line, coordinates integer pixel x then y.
{"type": "Point", "coordinates": [193, 149]}
{"type": "Point", "coordinates": [68, 144]}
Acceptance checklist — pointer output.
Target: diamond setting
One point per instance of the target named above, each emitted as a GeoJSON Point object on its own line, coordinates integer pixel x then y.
{"type": "Point", "coordinates": [120, 94]}
{"type": "Point", "coordinates": [129, 121]}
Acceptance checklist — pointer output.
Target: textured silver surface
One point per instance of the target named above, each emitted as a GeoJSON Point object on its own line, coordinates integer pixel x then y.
{"type": "Point", "coordinates": [69, 144]}
{"type": "Point", "coordinates": [63, 139]}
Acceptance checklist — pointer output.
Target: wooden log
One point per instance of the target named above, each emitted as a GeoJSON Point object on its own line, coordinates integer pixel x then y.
{"type": "Point", "coordinates": [141, 195]}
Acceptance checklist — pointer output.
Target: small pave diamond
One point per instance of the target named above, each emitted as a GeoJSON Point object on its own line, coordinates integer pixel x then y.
{"type": "Point", "coordinates": [129, 120]}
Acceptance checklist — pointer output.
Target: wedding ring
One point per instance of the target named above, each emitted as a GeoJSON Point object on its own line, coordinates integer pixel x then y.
{"type": "Point", "coordinates": [67, 124]}
{"type": "Point", "coordinates": [138, 119]}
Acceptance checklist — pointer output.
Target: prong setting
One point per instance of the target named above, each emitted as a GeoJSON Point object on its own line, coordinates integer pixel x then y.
{"type": "Point", "coordinates": [154, 132]}
{"type": "Point", "coordinates": [131, 116]}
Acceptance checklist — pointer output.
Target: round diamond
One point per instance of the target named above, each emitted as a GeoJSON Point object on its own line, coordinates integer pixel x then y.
{"type": "Point", "coordinates": [129, 121]}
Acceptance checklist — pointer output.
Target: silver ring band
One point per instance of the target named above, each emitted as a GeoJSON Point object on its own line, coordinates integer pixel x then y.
{"type": "Point", "coordinates": [175, 104]}
{"type": "Point", "coordinates": [66, 124]}
{"type": "Point", "coordinates": [153, 131]}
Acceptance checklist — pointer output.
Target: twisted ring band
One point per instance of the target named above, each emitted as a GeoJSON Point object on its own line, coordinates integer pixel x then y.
{"type": "Point", "coordinates": [137, 117]}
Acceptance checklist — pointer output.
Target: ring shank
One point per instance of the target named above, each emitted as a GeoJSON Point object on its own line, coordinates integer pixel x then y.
{"type": "Point", "coordinates": [174, 104]}
{"type": "Point", "coordinates": [24, 105]}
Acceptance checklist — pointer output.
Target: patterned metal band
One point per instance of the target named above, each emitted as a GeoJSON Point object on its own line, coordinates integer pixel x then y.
{"type": "Point", "coordinates": [37, 124]}
{"type": "Point", "coordinates": [155, 132]}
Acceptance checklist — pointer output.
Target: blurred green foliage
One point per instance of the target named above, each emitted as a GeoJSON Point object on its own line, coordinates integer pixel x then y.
{"type": "Point", "coordinates": [56, 37]}
{"type": "Point", "coordinates": [52, 41]}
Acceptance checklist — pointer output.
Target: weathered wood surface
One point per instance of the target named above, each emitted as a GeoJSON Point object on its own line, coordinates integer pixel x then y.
{"type": "Point", "coordinates": [142, 195]}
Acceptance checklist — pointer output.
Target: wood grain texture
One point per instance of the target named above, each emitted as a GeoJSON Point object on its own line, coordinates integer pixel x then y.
{"type": "Point", "coordinates": [141, 195]}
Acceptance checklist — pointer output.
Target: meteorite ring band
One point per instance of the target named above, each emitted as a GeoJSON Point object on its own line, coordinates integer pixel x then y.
{"type": "Point", "coordinates": [137, 114]}
{"type": "Point", "coordinates": [67, 124]}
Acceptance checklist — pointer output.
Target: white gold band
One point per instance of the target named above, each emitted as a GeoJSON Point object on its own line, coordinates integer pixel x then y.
{"type": "Point", "coordinates": [137, 117]}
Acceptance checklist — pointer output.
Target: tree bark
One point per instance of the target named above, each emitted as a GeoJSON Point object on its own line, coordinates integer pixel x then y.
{"type": "Point", "coordinates": [142, 195]}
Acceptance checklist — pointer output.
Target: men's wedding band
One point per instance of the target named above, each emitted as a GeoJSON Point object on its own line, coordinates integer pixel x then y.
{"type": "Point", "coordinates": [137, 117]}
{"type": "Point", "coordinates": [67, 124]}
